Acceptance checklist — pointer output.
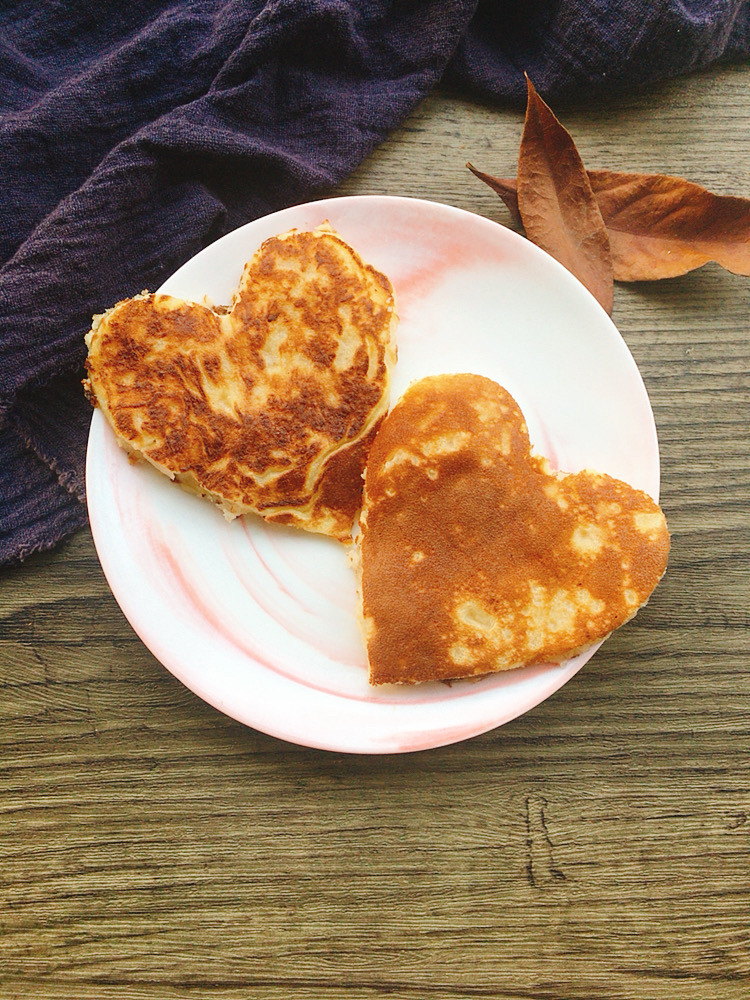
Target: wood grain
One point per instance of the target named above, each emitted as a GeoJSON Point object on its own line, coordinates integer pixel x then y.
{"type": "Point", "coordinates": [596, 849]}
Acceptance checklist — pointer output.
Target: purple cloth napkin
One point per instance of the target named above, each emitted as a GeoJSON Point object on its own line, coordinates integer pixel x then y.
{"type": "Point", "coordinates": [129, 141]}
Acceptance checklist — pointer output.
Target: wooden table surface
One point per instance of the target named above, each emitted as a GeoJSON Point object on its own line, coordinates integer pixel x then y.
{"type": "Point", "coordinates": [598, 847]}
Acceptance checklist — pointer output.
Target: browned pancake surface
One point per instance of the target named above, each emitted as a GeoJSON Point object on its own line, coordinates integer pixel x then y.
{"type": "Point", "coordinates": [475, 557]}
{"type": "Point", "coordinates": [269, 406]}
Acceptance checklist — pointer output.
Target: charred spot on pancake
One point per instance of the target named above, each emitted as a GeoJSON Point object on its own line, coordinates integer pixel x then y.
{"type": "Point", "coordinates": [258, 406]}
{"type": "Point", "coordinates": [476, 557]}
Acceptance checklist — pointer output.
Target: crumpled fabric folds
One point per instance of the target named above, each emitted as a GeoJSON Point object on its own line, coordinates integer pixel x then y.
{"type": "Point", "coordinates": [130, 141]}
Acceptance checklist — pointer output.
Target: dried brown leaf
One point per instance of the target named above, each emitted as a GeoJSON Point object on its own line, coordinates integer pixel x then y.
{"type": "Point", "coordinates": [661, 226]}
{"type": "Point", "coordinates": [505, 187]}
{"type": "Point", "coordinates": [557, 203]}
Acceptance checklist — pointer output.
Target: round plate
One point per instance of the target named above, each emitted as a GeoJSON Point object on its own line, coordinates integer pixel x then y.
{"type": "Point", "coordinates": [260, 620]}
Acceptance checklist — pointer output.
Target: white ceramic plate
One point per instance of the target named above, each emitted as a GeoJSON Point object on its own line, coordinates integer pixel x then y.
{"type": "Point", "coordinates": [259, 620]}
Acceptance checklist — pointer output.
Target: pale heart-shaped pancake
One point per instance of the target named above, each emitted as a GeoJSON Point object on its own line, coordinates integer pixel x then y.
{"type": "Point", "coordinates": [476, 557]}
{"type": "Point", "coordinates": [269, 406]}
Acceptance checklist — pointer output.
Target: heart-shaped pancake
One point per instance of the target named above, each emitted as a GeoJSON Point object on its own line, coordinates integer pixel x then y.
{"type": "Point", "coordinates": [476, 557]}
{"type": "Point", "coordinates": [267, 406]}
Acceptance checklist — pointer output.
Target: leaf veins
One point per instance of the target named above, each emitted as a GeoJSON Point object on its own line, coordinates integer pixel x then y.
{"type": "Point", "coordinates": [556, 201]}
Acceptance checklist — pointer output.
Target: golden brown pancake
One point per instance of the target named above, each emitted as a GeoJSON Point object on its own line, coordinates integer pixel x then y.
{"type": "Point", "coordinates": [269, 406]}
{"type": "Point", "coordinates": [476, 557]}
